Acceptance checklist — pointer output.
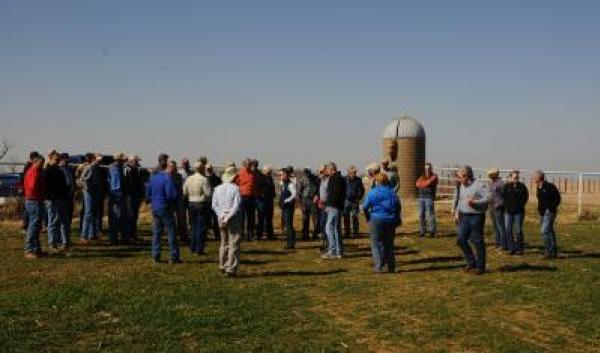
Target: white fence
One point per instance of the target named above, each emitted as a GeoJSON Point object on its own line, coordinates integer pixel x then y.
{"type": "Point", "coordinates": [580, 190]}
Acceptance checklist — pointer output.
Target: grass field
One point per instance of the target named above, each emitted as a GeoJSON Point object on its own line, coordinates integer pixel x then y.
{"type": "Point", "coordinates": [112, 299]}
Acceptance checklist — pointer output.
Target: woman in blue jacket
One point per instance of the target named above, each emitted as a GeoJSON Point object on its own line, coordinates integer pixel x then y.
{"type": "Point", "coordinates": [382, 210]}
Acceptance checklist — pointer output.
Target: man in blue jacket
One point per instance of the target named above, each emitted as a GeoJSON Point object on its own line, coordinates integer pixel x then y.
{"type": "Point", "coordinates": [162, 194]}
{"type": "Point", "coordinates": [117, 216]}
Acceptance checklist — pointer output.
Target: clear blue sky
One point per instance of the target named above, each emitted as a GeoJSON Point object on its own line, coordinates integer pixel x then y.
{"type": "Point", "coordinates": [506, 83]}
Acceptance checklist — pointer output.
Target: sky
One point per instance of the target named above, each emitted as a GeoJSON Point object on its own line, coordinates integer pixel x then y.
{"type": "Point", "coordinates": [513, 84]}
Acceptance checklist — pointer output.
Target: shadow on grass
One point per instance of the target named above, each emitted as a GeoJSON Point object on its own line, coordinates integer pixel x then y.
{"type": "Point", "coordinates": [432, 268]}
{"type": "Point", "coordinates": [527, 267]}
{"type": "Point", "coordinates": [368, 254]}
{"type": "Point", "coordinates": [264, 252]}
{"type": "Point", "coordinates": [292, 273]}
{"type": "Point", "coordinates": [256, 262]}
{"type": "Point", "coordinates": [435, 259]}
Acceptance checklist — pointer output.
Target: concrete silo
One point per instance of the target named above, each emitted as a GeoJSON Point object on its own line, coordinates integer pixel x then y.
{"type": "Point", "coordinates": [404, 146]}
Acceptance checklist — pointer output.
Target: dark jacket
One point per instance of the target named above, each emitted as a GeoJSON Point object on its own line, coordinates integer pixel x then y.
{"type": "Point", "coordinates": [56, 183]}
{"type": "Point", "coordinates": [355, 190]}
{"type": "Point", "coordinates": [548, 198]}
{"type": "Point", "coordinates": [515, 197]}
{"type": "Point", "coordinates": [134, 181]}
{"type": "Point", "coordinates": [336, 191]}
{"type": "Point", "coordinates": [307, 187]}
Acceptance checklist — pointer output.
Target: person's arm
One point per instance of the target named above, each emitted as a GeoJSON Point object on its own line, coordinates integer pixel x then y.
{"type": "Point", "coordinates": [149, 191]}
{"type": "Point", "coordinates": [186, 188]}
{"type": "Point", "coordinates": [361, 191]}
{"type": "Point", "coordinates": [292, 197]}
{"type": "Point", "coordinates": [171, 191]}
{"type": "Point", "coordinates": [216, 206]}
{"type": "Point", "coordinates": [235, 206]}
{"type": "Point", "coordinates": [398, 211]}
{"type": "Point", "coordinates": [206, 188]}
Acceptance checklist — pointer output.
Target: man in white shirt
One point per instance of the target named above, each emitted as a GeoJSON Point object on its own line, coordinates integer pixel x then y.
{"type": "Point", "coordinates": [226, 204]}
{"type": "Point", "coordinates": [197, 192]}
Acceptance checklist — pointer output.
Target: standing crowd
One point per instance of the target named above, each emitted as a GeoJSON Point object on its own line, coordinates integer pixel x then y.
{"type": "Point", "coordinates": [188, 201]}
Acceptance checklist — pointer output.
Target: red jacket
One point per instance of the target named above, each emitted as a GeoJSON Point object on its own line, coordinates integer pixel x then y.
{"type": "Point", "coordinates": [34, 185]}
{"type": "Point", "coordinates": [248, 182]}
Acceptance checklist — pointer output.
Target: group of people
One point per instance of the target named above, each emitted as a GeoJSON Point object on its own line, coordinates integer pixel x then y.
{"type": "Point", "coordinates": [188, 201]}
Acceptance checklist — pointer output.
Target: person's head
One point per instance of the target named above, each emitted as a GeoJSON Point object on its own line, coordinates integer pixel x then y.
{"type": "Point", "coordinates": [428, 169]}
{"type": "Point", "coordinates": [199, 167]}
{"type": "Point", "coordinates": [119, 158]}
{"type": "Point", "coordinates": [382, 179]}
{"type": "Point", "coordinates": [134, 160]}
{"type": "Point", "coordinates": [209, 168]}
{"type": "Point", "coordinates": [464, 175]}
{"type": "Point", "coordinates": [171, 167]}
{"type": "Point", "coordinates": [539, 177]}
{"type": "Point", "coordinates": [331, 168]}
{"type": "Point", "coordinates": [33, 155]}
{"type": "Point", "coordinates": [373, 169]}
{"type": "Point", "coordinates": [514, 176]}
{"type": "Point", "coordinates": [385, 164]}
{"type": "Point", "coordinates": [185, 164]}
{"type": "Point", "coordinates": [203, 160]}
{"type": "Point", "coordinates": [163, 160]}
{"type": "Point", "coordinates": [90, 157]}
{"type": "Point", "coordinates": [229, 174]}
{"type": "Point", "coordinates": [254, 165]}
{"type": "Point", "coordinates": [268, 170]}
{"type": "Point", "coordinates": [284, 174]}
{"type": "Point", "coordinates": [64, 159]}
{"type": "Point", "coordinates": [493, 174]}
{"type": "Point", "coordinates": [53, 157]}
{"type": "Point", "coordinates": [97, 158]}
{"type": "Point", "coordinates": [38, 161]}
{"type": "Point", "coordinates": [352, 171]}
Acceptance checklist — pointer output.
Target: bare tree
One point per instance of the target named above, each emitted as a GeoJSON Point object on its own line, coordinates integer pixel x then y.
{"type": "Point", "coordinates": [5, 147]}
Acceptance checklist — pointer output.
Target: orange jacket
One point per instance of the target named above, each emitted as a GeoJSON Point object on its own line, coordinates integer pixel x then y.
{"type": "Point", "coordinates": [424, 182]}
{"type": "Point", "coordinates": [248, 182]}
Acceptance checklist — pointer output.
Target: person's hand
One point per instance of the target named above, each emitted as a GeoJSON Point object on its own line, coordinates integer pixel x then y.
{"type": "Point", "coordinates": [472, 202]}
{"type": "Point", "coordinates": [456, 219]}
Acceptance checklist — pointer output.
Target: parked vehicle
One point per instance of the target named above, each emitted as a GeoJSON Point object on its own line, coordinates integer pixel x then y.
{"type": "Point", "coordinates": [11, 185]}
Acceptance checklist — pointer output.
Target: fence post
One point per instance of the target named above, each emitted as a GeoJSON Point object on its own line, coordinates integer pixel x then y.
{"type": "Point", "coordinates": [579, 195]}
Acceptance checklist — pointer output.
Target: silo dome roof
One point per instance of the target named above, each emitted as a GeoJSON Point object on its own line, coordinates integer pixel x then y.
{"type": "Point", "coordinates": [404, 127]}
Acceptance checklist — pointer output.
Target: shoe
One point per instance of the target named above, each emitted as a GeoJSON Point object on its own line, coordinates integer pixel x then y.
{"type": "Point", "coordinates": [230, 274]}
{"type": "Point", "coordinates": [31, 256]}
{"type": "Point", "coordinates": [174, 261]}
{"type": "Point", "coordinates": [201, 253]}
{"type": "Point", "coordinates": [53, 249]}
{"type": "Point", "coordinates": [468, 269]}
{"type": "Point", "coordinates": [222, 270]}
{"type": "Point", "coordinates": [337, 257]}
{"type": "Point", "coordinates": [83, 242]}
{"type": "Point", "coordinates": [64, 248]}
{"type": "Point", "coordinates": [478, 272]}
{"type": "Point", "coordinates": [421, 235]}
{"type": "Point", "coordinates": [327, 257]}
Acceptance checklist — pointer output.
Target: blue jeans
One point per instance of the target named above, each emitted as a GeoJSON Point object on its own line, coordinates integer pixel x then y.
{"type": "Point", "coordinates": [512, 221]}
{"type": "Point", "coordinates": [470, 229]}
{"type": "Point", "coordinates": [427, 221]}
{"type": "Point", "coordinates": [335, 245]}
{"type": "Point", "coordinates": [288, 221]}
{"type": "Point", "coordinates": [164, 219]}
{"type": "Point", "coordinates": [59, 222]}
{"type": "Point", "coordinates": [91, 216]}
{"type": "Point", "coordinates": [117, 218]}
{"type": "Point", "coordinates": [34, 210]}
{"type": "Point", "coordinates": [382, 244]}
{"type": "Point", "coordinates": [497, 216]}
{"type": "Point", "coordinates": [198, 218]}
{"type": "Point", "coordinates": [548, 235]}
{"type": "Point", "coordinates": [248, 215]}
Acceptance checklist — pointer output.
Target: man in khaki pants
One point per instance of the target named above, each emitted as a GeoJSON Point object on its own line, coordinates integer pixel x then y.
{"type": "Point", "coordinates": [226, 204]}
